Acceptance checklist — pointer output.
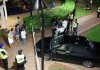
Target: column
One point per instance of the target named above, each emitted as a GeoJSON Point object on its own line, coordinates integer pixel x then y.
{"type": "Point", "coordinates": [5, 10]}
{"type": "Point", "coordinates": [3, 23]}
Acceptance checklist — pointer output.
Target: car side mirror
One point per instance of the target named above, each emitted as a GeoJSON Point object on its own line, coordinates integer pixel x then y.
{"type": "Point", "coordinates": [67, 52]}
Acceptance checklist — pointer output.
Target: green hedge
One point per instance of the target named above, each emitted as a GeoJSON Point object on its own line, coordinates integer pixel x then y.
{"type": "Point", "coordinates": [61, 12]}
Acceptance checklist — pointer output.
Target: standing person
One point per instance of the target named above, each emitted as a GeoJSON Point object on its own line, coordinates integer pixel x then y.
{"type": "Point", "coordinates": [13, 32]}
{"type": "Point", "coordinates": [70, 19]}
{"type": "Point", "coordinates": [24, 25]}
{"type": "Point", "coordinates": [4, 56]}
{"type": "Point", "coordinates": [59, 23]}
{"type": "Point", "coordinates": [59, 30]}
{"type": "Point", "coordinates": [10, 37]}
{"type": "Point", "coordinates": [64, 24]}
{"type": "Point", "coordinates": [20, 60]}
{"type": "Point", "coordinates": [53, 5]}
{"type": "Point", "coordinates": [52, 26]}
{"type": "Point", "coordinates": [54, 23]}
{"type": "Point", "coordinates": [74, 26]}
{"type": "Point", "coordinates": [98, 12]}
{"type": "Point", "coordinates": [24, 8]}
{"type": "Point", "coordinates": [18, 20]}
{"type": "Point", "coordinates": [17, 32]}
{"type": "Point", "coordinates": [23, 36]}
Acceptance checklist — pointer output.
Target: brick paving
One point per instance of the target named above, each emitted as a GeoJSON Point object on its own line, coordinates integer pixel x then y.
{"type": "Point", "coordinates": [88, 22]}
{"type": "Point", "coordinates": [84, 24]}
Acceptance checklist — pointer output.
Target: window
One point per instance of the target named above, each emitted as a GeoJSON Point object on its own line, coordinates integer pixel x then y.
{"type": "Point", "coordinates": [56, 42]}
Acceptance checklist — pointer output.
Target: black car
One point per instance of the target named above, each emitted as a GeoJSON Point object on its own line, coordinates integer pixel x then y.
{"type": "Point", "coordinates": [70, 49]}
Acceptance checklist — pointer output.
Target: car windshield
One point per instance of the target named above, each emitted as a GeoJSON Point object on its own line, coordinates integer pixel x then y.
{"type": "Point", "coordinates": [66, 39]}
{"type": "Point", "coordinates": [56, 42]}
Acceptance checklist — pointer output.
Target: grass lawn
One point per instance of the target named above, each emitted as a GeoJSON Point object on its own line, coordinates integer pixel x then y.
{"type": "Point", "coordinates": [93, 34]}
{"type": "Point", "coordinates": [80, 11]}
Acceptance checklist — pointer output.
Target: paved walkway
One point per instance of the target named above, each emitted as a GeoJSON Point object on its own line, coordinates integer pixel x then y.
{"type": "Point", "coordinates": [88, 22]}
{"type": "Point", "coordinates": [84, 24]}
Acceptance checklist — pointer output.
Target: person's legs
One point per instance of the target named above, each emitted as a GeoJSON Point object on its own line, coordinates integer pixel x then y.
{"type": "Point", "coordinates": [17, 38]}
{"type": "Point", "coordinates": [24, 41]}
{"type": "Point", "coordinates": [73, 31]}
{"type": "Point", "coordinates": [53, 32]}
{"type": "Point", "coordinates": [76, 31]}
{"type": "Point", "coordinates": [20, 67]}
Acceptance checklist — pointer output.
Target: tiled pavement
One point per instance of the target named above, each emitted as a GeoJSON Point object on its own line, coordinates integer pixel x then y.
{"type": "Point", "coordinates": [84, 24]}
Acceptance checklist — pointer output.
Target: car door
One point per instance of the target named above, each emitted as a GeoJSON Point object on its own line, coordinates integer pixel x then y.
{"type": "Point", "coordinates": [60, 53]}
{"type": "Point", "coordinates": [77, 53]}
{"type": "Point", "coordinates": [67, 52]}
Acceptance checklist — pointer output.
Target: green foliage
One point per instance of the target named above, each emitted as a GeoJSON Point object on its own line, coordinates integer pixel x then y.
{"type": "Point", "coordinates": [61, 12]}
{"type": "Point", "coordinates": [94, 34]}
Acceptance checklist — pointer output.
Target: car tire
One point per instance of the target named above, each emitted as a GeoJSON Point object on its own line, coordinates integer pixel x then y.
{"type": "Point", "coordinates": [47, 57]}
{"type": "Point", "coordinates": [87, 64]}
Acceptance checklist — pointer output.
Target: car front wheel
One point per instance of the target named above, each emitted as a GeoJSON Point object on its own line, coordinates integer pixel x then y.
{"type": "Point", "coordinates": [87, 64]}
{"type": "Point", "coordinates": [46, 57]}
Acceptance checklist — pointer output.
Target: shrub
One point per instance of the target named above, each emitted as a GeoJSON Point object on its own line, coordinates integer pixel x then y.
{"type": "Point", "coordinates": [60, 12]}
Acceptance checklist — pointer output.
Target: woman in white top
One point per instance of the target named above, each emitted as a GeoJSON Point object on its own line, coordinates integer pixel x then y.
{"type": "Point", "coordinates": [23, 36]}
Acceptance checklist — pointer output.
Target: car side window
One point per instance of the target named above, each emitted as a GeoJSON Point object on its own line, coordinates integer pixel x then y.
{"type": "Point", "coordinates": [56, 42]}
{"type": "Point", "coordinates": [61, 49]}
{"type": "Point", "coordinates": [64, 48]}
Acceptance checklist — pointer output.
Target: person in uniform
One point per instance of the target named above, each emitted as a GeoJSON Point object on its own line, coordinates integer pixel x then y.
{"type": "Point", "coordinates": [20, 60]}
{"type": "Point", "coordinates": [98, 12]}
{"type": "Point", "coordinates": [74, 26]}
{"type": "Point", "coordinates": [4, 56]}
{"type": "Point", "coordinates": [70, 20]}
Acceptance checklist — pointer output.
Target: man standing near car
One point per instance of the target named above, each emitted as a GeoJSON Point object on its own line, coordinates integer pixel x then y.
{"type": "Point", "coordinates": [74, 26]}
{"type": "Point", "coordinates": [4, 56]}
{"type": "Point", "coordinates": [23, 36]}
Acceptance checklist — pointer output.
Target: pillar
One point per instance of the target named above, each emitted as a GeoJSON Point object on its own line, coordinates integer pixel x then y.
{"type": "Point", "coordinates": [3, 23]}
